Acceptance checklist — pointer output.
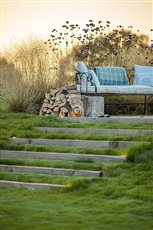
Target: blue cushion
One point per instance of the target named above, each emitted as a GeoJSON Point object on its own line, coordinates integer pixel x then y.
{"type": "Point", "coordinates": [143, 75]}
{"type": "Point", "coordinates": [94, 78]}
{"type": "Point", "coordinates": [111, 75]}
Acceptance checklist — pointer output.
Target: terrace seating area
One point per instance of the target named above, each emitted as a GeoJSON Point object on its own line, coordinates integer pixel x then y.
{"type": "Point", "coordinates": [114, 80]}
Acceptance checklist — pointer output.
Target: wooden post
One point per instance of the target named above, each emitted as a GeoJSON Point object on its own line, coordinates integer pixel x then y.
{"type": "Point", "coordinates": [145, 104]}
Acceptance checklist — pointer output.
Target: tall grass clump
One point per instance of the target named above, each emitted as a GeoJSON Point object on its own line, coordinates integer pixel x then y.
{"type": "Point", "coordinates": [26, 75]}
{"type": "Point", "coordinates": [141, 153]}
{"type": "Point", "coordinates": [17, 96]}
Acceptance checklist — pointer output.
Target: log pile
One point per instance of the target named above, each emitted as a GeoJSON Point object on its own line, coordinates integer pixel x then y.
{"type": "Point", "coordinates": [59, 102]}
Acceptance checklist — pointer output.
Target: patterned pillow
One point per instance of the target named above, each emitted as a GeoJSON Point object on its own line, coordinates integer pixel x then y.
{"type": "Point", "coordinates": [143, 75]}
{"type": "Point", "coordinates": [111, 75]}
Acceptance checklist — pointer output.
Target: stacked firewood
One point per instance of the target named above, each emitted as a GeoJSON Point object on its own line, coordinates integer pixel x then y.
{"type": "Point", "coordinates": [57, 102]}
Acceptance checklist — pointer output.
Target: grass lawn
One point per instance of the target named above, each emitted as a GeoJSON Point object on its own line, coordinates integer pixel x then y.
{"type": "Point", "coordinates": [123, 199]}
{"type": "Point", "coordinates": [88, 210]}
{"type": "Point", "coordinates": [120, 200]}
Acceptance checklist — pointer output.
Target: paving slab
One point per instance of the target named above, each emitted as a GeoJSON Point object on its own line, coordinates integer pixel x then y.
{"type": "Point", "coordinates": [112, 119]}
{"type": "Point", "coordinates": [50, 171]}
{"type": "Point", "coordinates": [75, 143]}
{"type": "Point", "coordinates": [60, 156]}
{"type": "Point", "coordinates": [16, 184]}
{"type": "Point", "coordinates": [131, 132]}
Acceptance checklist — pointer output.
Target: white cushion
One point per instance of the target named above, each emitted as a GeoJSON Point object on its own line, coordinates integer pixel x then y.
{"type": "Point", "coordinates": [131, 89]}
{"type": "Point", "coordinates": [81, 67]}
{"type": "Point", "coordinates": [125, 90]}
{"type": "Point", "coordinates": [94, 80]}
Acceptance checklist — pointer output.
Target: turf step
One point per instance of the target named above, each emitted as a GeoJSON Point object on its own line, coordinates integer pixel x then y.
{"type": "Point", "coordinates": [131, 132]}
{"type": "Point", "coordinates": [74, 143]}
{"type": "Point", "coordinates": [50, 171]}
{"type": "Point", "coordinates": [60, 156]}
{"type": "Point", "coordinates": [16, 184]}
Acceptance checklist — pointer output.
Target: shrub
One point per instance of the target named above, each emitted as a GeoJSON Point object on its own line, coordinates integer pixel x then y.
{"type": "Point", "coordinates": [96, 45]}
{"type": "Point", "coordinates": [26, 75]}
{"type": "Point", "coordinates": [17, 96]}
{"type": "Point", "coordinates": [141, 153]}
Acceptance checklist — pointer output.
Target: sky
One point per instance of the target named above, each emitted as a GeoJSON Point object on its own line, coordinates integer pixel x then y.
{"type": "Point", "coordinates": [22, 18]}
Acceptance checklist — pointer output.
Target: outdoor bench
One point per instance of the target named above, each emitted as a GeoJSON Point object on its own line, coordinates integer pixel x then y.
{"type": "Point", "coordinates": [104, 81]}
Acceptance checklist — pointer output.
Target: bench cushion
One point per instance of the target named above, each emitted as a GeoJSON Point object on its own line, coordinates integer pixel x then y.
{"type": "Point", "coordinates": [126, 90]}
{"type": "Point", "coordinates": [81, 67]}
{"type": "Point", "coordinates": [143, 75]}
{"type": "Point", "coordinates": [84, 74]}
{"type": "Point", "coordinates": [122, 89]}
{"type": "Point", "coordinates": [94, 78]}
{"type": "Point", "coordinates": [111, 75]}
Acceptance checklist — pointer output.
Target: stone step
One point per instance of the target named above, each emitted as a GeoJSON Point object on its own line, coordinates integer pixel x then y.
{"type": "Point", "coordinates": [74, 143]}
{"type": "Point", "coordinates": [112, 119]}
{"type": "Point", "coordinates": [16, 184]}
{"type": "Point", "coordinates": [50, 171]}
{"type": "Point", "coordinates": [59, 156]}
{"type": "Point", "coordinates": [131, 132]}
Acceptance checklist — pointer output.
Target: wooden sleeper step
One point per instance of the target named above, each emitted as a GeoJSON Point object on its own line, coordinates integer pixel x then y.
{"type": "Point", "coordinates": [74, 143]}
{"type": "Point", "coordinates": [60, 156]}
{"type": "Point", "coordinates": [50, 171]}
{"type": "Point", "coordinates": [16, 184]}
{"type": "Point", "coordinates": [131, 132]}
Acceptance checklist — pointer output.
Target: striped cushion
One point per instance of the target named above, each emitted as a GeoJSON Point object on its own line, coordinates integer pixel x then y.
{"type": "Point", "coordinates": [111, 75]}
{"type": "Point", "coordinates": [143, 75]}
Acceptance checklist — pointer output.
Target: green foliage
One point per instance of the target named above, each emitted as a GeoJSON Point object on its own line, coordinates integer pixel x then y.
{"type": "Point", "coordinates": [132, 105]}
{"type": "Point", "coordinates": [33, 178]}
{"type": "Point", "coordinates": [53, 163]}
{"type": "Point", "coordinates": [21, 125]}
{"type": "Point", "coordinates": [76, 184]}
{"type": "Point", "coordinates": [141, 153]}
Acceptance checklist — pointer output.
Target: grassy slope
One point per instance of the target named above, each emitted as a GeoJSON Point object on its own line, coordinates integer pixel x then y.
{"type": "Point", "coordinates": [121, 200]}
{"type": "Point", "coordinates": [21, 125]}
